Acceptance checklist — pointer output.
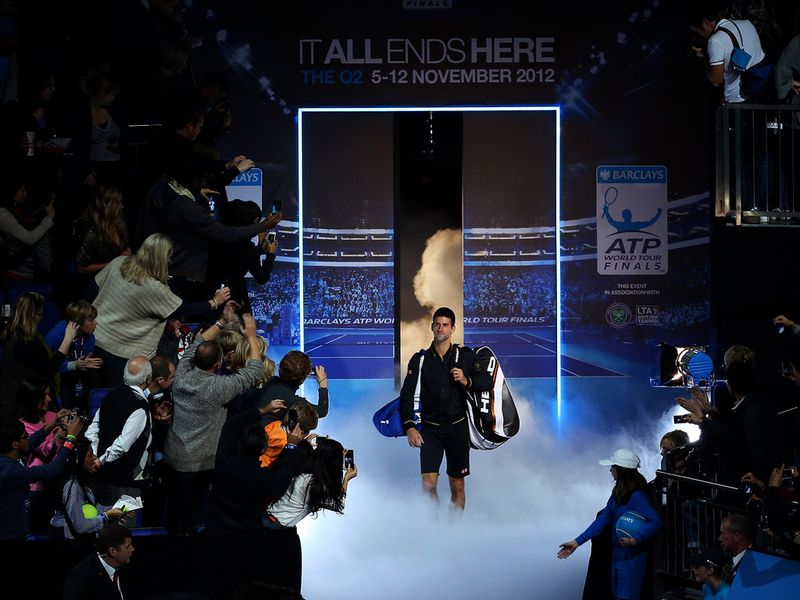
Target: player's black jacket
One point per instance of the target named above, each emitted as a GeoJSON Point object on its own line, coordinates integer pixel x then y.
{"type": "Point", "coordinates": [441, 398]}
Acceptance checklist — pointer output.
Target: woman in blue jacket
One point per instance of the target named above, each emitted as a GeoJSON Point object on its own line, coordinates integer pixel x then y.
{"type": "Point", "coordinates": [628, 554]}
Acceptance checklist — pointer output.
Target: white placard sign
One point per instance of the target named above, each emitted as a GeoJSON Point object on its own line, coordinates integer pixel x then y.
{"type": "Point", "coordinates": [632, 220]}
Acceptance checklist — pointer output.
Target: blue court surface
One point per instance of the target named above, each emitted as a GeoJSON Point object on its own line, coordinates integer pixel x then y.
{"type": "Point", "coordinates": [369, 353]}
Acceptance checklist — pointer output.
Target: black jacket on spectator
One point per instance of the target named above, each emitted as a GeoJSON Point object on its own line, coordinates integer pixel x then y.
{"type": "Point", "coordinates": [276, 389]}
{"type": "Point", "coordinates": [118, 405]}
{"type": "Point", "coordinates": [241, 485]}
{"type": "Point", "coordinates": [190, 226]}
{"type": "Point", "coordinates": [228, 265]}
{"type": "Point", "coordinates": [90, 581]}
{"type": "Point", "coordinates": [746, 439]}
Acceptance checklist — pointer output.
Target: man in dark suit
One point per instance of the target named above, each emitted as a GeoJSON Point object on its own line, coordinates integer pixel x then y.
{"type": "Point", "coordinates": [97, 577]}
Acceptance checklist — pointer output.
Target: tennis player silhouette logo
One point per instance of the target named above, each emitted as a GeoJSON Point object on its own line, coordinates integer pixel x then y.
{"type": "Point", "coordinates": [627, 224]}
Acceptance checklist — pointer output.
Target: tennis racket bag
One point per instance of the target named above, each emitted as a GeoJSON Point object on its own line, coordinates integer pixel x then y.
{"type": "Point", "coordinates": [492, 415]}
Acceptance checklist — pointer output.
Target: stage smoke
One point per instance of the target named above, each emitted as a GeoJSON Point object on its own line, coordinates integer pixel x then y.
{"type": "Point", "coordinates": [439, 282]}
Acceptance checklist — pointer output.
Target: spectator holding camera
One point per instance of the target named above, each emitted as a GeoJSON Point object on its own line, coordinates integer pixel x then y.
{"type": "Point", "coordinates": [780, 516]}
{"type": "Point", "coordinates": [241, 484]}
{"type": "Point", "coordinates": [294, 368]}
{"type": "Point", "coordinates": [742, 434]}
{"type": "Point", "coordinates": [320, 486]}
{"type": "Point", "coordinates": [230, 263]}
{"type": "Point", "coordinates": [33, 406]}
{"type": "Point", "coordinates": [15, 478]}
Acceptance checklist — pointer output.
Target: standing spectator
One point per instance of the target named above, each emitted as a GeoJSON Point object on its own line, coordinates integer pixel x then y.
{"type": "Point", "coordinates": [241, 485]}
{"type": "Point", "coordinates": [106, 235]}
{"type": "Point", "coordinates": [160, 398]}
{"type": "Point", "coordinates": [742, 434]}
{"type": "Point", "coordinates": [294, 369]}
{"type": "Point", "coordinates": [720, 34]}
{"type": "Point", "coordinates": [320, 486]}
{"type": "Point", "coordinates": [75, 371]}
{"type": "Point", "coordinates": [98, 141]}
{"type": "Point", "coordinates": [136, 302]}
{"type": "Point", "coordinates": [229, 263]}
{"type": "Point", "coordinates": [25, 354]}
{"type": "Point", "coordinates": [24, 250]}
{"type": "Point", "coordinates": [120, 434]}
{"type": "Point", "coordinates": [628, 554]}
{"type": "Point", "coordinates": [199, 396]}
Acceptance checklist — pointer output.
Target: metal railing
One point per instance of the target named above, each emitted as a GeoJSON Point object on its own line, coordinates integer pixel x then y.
{"type": "Point", "coordinates": [692, 511]}
{"type": "Point", "coordinates": [758, 164]}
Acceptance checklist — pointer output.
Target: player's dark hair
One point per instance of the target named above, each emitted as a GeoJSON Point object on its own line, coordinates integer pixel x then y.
{"type": "Point", "coordinates": [448, 313]}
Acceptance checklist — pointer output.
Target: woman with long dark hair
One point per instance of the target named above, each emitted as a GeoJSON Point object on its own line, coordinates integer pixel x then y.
{"type": "Point", "coordinates": [320, 487]}
{"type": "Point", "coordinates": [78, 517]}
{"type": "Point", "coordinates": [33, 408]}
{"type": "Point", "coordinates": [628, 501]}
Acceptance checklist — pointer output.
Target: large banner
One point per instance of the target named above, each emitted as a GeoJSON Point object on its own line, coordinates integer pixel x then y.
{"type": "Point", "coordinates": [633, 251]}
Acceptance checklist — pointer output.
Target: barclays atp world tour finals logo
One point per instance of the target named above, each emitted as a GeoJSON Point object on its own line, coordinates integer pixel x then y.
{"type": "Point", "coordinates": [632, 220]}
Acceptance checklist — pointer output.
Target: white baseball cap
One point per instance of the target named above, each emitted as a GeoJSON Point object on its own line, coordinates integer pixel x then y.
{"type": "Point", "coordinates": [622, 457]}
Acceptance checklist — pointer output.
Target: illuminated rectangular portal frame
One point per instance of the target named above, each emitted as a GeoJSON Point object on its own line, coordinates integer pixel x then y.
{"type": "Point", "coordinates": [463, 109]}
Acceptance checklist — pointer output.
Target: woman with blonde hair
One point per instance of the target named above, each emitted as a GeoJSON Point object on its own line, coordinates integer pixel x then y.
{"type": "Point", "coordinates": [106, 233]}
{"type": "Point", "coordinates": [24, 350]}
{"type": "Point", "coordinates": [135, 303]}
{"type": "Point", "coordinates": [250, 398]}
{"type": "Point", "coordinates": [242, 352]}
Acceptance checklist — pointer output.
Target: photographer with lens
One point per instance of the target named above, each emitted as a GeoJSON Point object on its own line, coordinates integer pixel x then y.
{"type": "Point", "coordinates": [778, 500]}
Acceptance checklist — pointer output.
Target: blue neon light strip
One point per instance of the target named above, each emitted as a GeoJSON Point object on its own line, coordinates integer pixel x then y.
{"type": "Point", "coordinates": [558, 263]}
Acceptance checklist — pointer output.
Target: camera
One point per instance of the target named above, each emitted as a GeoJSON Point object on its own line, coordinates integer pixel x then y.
{"type": "Point", "coordinates": [271, 237]}
{"type": "Point", "coordinates": [82, 416]}
{"type": "Point", "coordinates": [685, 418]}
{"type": "Point", "coordinates": [349, 459]}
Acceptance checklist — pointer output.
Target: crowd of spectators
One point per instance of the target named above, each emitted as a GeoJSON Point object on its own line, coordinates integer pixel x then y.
{"type": "Point", "coordinates": [748, 442]}
{"type": "Point", "coordinates": [120, 400]}
{"type": "Point", "coordinates": [510, 291]}
{"type": "Point", "coordinates": [343, 293]}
